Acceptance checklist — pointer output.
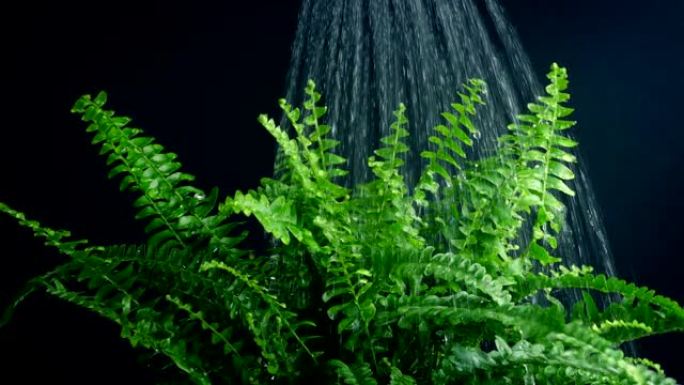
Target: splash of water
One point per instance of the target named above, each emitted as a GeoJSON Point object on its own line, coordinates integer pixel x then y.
{"type": "Point", "coordinates": [367, 56]}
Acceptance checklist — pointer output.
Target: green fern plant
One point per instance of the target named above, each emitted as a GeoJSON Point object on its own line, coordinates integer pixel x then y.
{"type": "Point", "coordinates": [375, 284]}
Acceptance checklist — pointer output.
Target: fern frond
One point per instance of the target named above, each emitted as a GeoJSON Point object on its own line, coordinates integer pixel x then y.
{"type": "Point", "coordinates": [141, 325]}
{"type": "Point", "coordinates": [278, 217]}
{"type": "Point", "coordinates": [399, 378]}
{"type": "Point", "coordinates": [449, 140]}
{"type": "Point", "coordinates": [178, 213]}
{"type": "Point", "coordinates": [451, 271]}
{"type": "Point", "coordinates": [620, 331]}
{"type": "Point", "coordinates": [322, 145]}
{"type": "Point", "coordinates": [357, 374]}
{"type": "Point", "coordinates": [309, 165]}
{"type": "Point", "coordinates": [555, 363]}
{"type": "Point", "coordinates": [485, 226]}
{"type": "Point", "coordinates": [310, 155]}
{"type": "Point", "coordinates": [638, 304]}
{"type": "Point", "coordinates": [217, 335]}
{"type": "Point", "coordinates": [391, 153]}
{"type": "Point", "coordinates": [384, 214]}
{"type": "Point", "coordinates": [267, 321]}
{"type": "Point", "coordinates": [438, 188]}
{"type": "Point", "coordinates": [59, 239]}
{"type": "Point", "coordinates": [540, 142]}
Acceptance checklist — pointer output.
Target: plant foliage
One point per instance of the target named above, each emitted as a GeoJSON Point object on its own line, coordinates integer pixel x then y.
{"type": "Point", "coordinates": [381, 283]}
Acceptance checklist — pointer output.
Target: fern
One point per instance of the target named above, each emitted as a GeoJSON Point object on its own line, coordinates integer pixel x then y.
{"type": "Point", "coordinates": [379, 283]}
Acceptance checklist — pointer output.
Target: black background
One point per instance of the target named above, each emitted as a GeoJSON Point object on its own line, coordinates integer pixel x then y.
{"type": "Point", "coordinates": [196, 74]}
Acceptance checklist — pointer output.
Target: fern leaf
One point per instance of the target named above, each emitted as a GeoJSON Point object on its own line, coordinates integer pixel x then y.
{"type": "Point", "coordinates": [399, 378]}
{"type": "Point", "coordinates": [149, 328]}
{"type": "Point", "coordinates": [53, 238]}
{"type": "Point", "coordinates": [449, 139]}
{"type": "Point", "coordinates": [179, 211]}
{"type": "Point", "coordinates": [357, 374]}
{"type": "Point", "coordinates": [266, 323]}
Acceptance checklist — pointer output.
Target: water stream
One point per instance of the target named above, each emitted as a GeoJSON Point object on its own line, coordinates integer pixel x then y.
{"type": "Point", "coordinates": [367, 56]}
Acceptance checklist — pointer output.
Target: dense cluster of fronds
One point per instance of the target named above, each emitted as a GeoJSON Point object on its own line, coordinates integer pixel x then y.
{"type": "Point", "coordinates": [379, 284]}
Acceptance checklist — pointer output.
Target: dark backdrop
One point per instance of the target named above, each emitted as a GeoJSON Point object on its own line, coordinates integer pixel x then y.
{"type": "Point", "coordinates": [196, 75]}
